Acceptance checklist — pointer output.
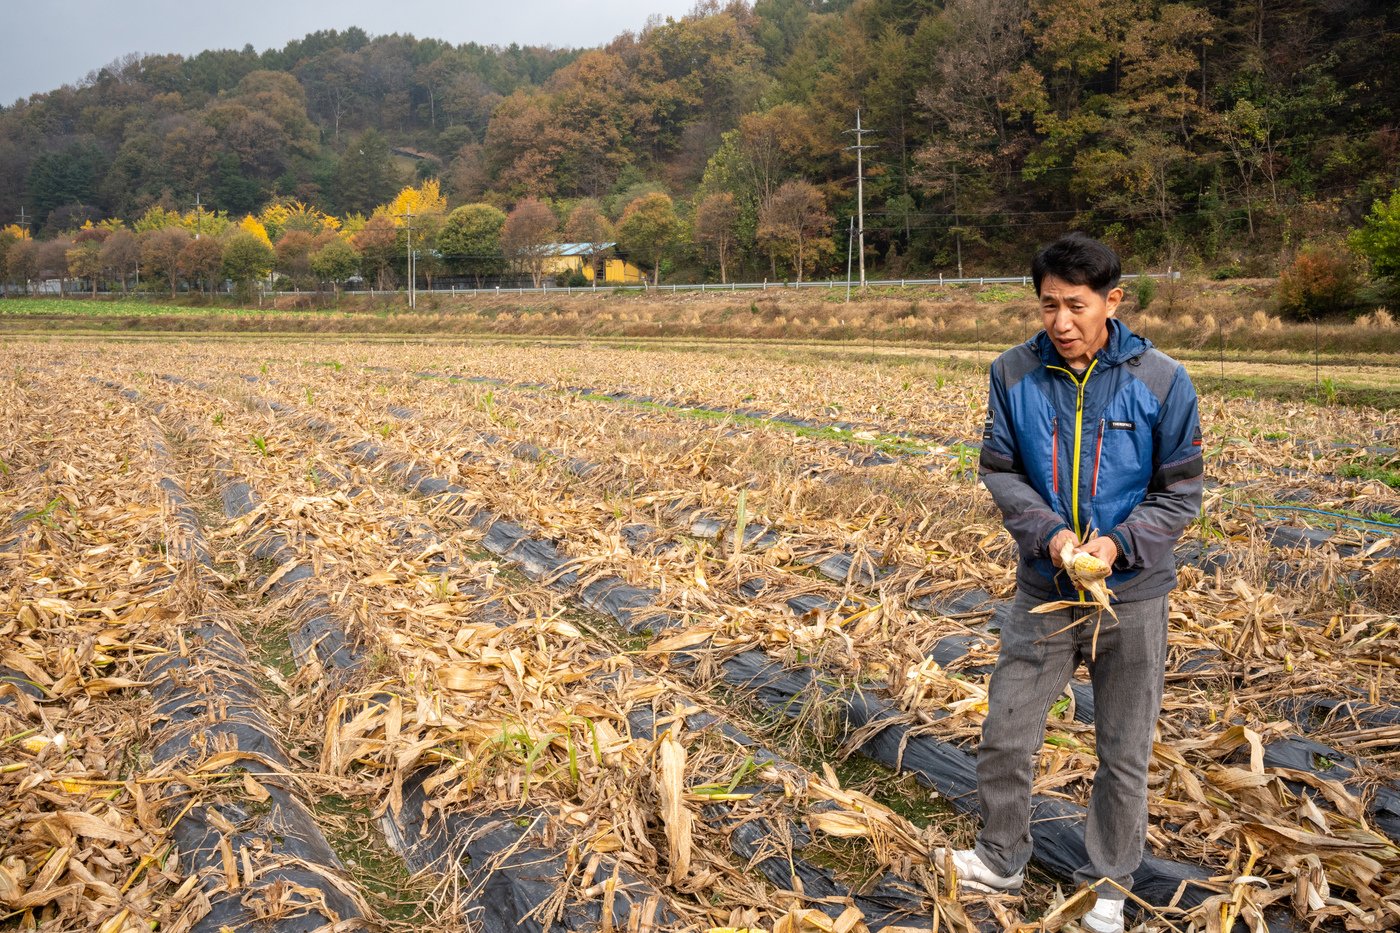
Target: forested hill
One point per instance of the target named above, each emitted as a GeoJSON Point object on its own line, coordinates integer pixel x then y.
{"type": "Point", "coordinates": [1213, 131]}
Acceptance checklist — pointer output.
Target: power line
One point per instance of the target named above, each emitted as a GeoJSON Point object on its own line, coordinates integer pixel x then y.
{"type": "Point", "coordinates": [1052, 222]}
{"type": "Point", "coordinates": [1282, 147]}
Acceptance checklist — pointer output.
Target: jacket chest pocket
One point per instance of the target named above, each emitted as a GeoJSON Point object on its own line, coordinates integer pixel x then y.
{"type": "Point", "coordinates": [1106, 429]}
{"type": "Point", "coordinates": [1122, 468]}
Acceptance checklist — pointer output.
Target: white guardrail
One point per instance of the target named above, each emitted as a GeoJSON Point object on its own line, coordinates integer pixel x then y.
{"type": "Point", "coordinates": [734, 286]}
{"type": "Point", "coordinates": [53, 286]}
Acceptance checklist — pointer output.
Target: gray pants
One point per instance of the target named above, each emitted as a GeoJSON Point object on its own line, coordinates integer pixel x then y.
{"type": "Point", "coordinates": [1033, 666]}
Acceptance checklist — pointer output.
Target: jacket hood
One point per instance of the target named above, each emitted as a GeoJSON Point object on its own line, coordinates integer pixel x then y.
{"type": "Point", "coordinates": [1122, 346]}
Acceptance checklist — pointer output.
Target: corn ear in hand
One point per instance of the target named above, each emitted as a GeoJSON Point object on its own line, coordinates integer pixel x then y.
{"type": "Point", "coordinates": [1087, 573]}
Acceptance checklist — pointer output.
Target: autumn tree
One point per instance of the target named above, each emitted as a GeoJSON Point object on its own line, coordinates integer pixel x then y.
{"type": "Point", "coordinates": [694, 76]}
{"type": "Point", "coordinates": [427, 255]}
{"type": "Point", "coordinates": [85, 256]}
{"type": "Point", "coordinates": [10, 234]}
{"type": "Point", "coordinates": [527, 234]}
{"type": "Point", "coordinates": [1115, 99]}
{"type": "Point", "coordinates": [470, 240]}
{"type": "Point", "coordinates": [568, 137]}
{"type": "Point", "coordinates": [333, 82]}
{"type": "Point", "coordinates": [247, 258]}
{"type": "Point", "coordinates": [22, 262]}
{"type": "Point", "coordinates": [468, 173]}
{"type": "Point", "coordinates": [201, 261]}
{"type": "Point", "coordinates": [649, 227]}
{"type": "Point", "coordinates": [160, 253]}
{"type": "Point", "coordinates": [417, 201]}
{"type": "Point", "coordinates": [519, 146]}
{"type": "Point", "coordinates": [418, 213]}
{"type": "Point", "coordinates": [754, 158]}
{"type": "Point", "coordinates": [978, 47]}
{"type": "Point", "coordinates": [293, 251]}
{"type": "Point", "coordinates": [121, 254]}
{"type": "Point", "coordinates": [378, 244]}
{"type": "Point", "coordinates": [52, 257]}
{"type": "Point", "coordinates": [262, 123]}
{"type": "Point", "coordinates": [588, 224]}
{"type": "Point", "coordinates": [1248, 133]}
{"type": "Point", "coordinates": [794, 224]}
{"type": "Point", "coordinates": [716, 226]}
{"type": "Point", "coordinates": [335, 262]}
{"type": "Point", "coordinates": [286, 214]}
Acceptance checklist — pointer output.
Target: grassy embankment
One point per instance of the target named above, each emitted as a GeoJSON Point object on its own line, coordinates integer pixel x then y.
{"type": "Point", "coordinates": [1225, 331]}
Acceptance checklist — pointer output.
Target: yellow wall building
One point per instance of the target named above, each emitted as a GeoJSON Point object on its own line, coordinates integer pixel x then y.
{"type": "Point", "coordinates": [566, 258]}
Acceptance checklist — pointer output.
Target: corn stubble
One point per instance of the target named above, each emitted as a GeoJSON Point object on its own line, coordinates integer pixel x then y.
{"type": "Point", "coordinates": [495, 685]}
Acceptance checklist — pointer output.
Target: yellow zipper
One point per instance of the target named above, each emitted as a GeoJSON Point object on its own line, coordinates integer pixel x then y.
{"type": "Point", "coordinates": [1078, 440]}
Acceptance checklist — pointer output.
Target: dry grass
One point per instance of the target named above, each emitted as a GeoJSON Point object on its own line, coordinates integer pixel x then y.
{"type": "Point", "coordinates": [1186, 314]}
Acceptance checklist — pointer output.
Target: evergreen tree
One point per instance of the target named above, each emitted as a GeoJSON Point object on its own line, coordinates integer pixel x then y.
{"type": "Point", "coordinates": [364, 176]}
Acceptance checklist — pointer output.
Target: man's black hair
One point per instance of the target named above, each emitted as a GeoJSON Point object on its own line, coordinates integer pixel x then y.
{"type": "Point", "coordinates": [1078, 259]}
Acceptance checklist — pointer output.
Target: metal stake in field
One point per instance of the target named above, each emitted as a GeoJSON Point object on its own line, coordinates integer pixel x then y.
{"type": "Point", "coordinates": [1220, 340]}
{"type": "Point", "coordinates": [849, 234]}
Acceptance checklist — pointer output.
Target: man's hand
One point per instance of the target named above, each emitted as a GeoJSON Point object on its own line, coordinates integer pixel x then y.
{"type": "Point", "coordinates": [1057, 544]}
{"type": "Point", "coordinates": [1101, 546]}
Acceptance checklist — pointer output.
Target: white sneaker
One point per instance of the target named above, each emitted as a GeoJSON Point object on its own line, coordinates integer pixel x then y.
{"type": "Point", "coordinates": [1106, 917]}
{"type": "Point", "coordinates": [973, 873]}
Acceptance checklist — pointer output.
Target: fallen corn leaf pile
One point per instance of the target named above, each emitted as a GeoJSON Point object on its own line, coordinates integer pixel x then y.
{"type": "Point", "coordinates": [85, 596]}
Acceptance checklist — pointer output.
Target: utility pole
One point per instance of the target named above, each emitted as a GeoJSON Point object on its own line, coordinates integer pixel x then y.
{"type": "Point", "coordinates": [860, 148]}
{"type": "Point", "coordinates": [412, 302]}
{"type": "Point", "coordinates": [957, 225]}
{"type": "Point", "coordinates": [23, 221]}
{"type": "Point", "coordinates": [198, 216]}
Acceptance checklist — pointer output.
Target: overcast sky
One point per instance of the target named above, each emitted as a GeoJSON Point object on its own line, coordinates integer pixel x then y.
{"type": "Point", "coordinates": [49, 43]}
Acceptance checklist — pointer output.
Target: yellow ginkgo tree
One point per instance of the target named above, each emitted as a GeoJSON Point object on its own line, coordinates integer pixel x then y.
{"type": "Point", "coordinates": [420, 201]}
{"type": "Point", "coordinates": [283, 215]}
{"type": "Point", "coordinates": [254, 226]}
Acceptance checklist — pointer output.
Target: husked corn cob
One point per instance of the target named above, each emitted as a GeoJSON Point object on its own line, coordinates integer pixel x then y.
{"type": "Point", "coordinates": [1088, 573]}
{"type": "Point", "coordinates": [1087, 567]}
{"type": "Point", "coordinates": [1083, 569]}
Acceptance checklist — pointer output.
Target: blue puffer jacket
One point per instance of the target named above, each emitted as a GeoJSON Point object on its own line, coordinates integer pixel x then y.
{"type": "Point", "coordinates": [1116, 451]}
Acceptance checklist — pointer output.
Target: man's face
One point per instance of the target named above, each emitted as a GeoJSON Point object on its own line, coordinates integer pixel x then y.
{"type": "Point", "coordinates": [1076, 318]}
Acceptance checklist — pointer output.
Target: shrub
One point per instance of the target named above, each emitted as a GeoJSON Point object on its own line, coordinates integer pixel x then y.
{"type": "Point", "coordinates": [1379, 319]}
{"type": "Point", "coordinates": [1321, 279]}
{"type": "Point", "coordinates": [1146, 291]}
{"type": "Point", "coordinates": [1379, 237]}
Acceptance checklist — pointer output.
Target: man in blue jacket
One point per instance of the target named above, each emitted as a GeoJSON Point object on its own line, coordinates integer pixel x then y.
{"type": "Point", "coordinates": [1092, 439]}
